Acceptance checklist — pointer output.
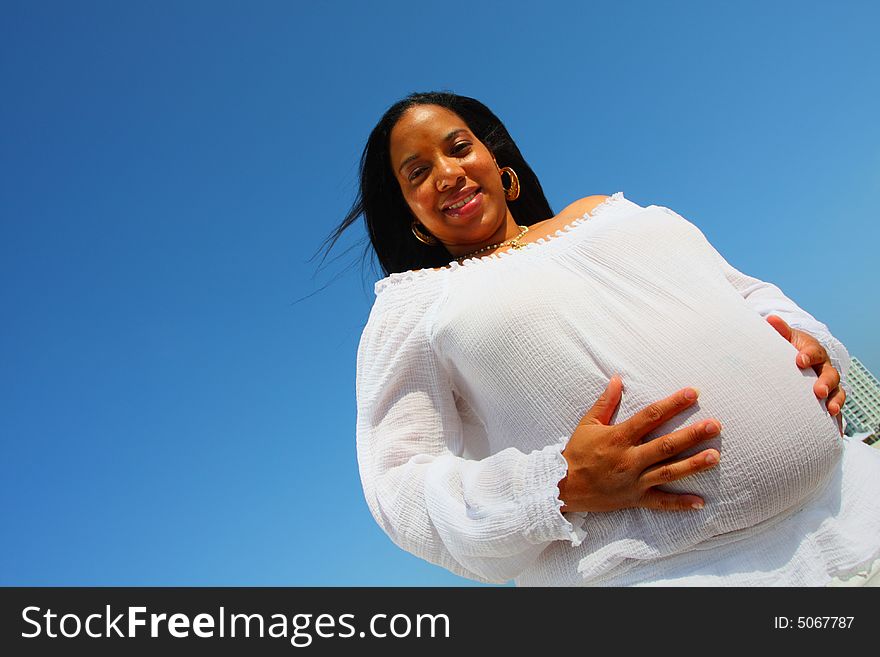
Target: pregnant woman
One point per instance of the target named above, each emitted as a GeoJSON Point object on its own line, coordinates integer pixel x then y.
{"type": "Point", "coordinates": [710, 458]}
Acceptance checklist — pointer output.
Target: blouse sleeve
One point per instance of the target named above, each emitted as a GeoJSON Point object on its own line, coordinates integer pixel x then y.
{"type": "Point", "coordinates": [484, 519]}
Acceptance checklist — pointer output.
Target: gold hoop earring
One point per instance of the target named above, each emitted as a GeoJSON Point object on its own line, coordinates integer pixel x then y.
{"type": "Point", "coordinates": [424, 238]}
{"type": "Point", "coordinates": [510, 193]}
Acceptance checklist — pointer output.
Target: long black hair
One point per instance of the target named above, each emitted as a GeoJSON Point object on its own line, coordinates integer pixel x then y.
{"type": "Point", "coordinates": [386, 213]}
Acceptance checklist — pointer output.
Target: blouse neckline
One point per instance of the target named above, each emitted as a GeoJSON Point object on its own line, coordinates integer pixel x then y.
{"type": "Point", "coordinates": [400, 278]}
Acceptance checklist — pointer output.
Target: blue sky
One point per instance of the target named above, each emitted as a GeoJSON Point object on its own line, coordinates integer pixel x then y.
{"type": "Point", "coordinates": [173, 411]}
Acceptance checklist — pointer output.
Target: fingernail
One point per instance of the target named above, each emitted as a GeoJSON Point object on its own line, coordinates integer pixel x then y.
{"type": "Point", "coordinates": [711, 428]}
{"type": "Point", "coordinates": [697, 505]}
{"type": "Point", "coordinates": [691, 393]}
{"type": "Point", "coordinates": [711, 458]}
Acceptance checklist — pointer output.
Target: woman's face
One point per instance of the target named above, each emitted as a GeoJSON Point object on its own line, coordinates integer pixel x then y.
{"type": "Point", "coordinates": [439, 163]}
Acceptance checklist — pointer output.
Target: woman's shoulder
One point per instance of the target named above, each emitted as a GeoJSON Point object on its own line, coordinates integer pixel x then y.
{"type": "Point", "coordinates": [580, 207]}
{"type": "Point", "coordinates": [404, 282]}
{"type": "Point", "coordinates": [400, 314]}
{"type": "Point", "coordinates": [568, 214]}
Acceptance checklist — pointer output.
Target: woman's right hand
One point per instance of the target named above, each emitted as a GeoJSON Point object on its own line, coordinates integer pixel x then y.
{"type": "Point", "coordinates": [609, 468]}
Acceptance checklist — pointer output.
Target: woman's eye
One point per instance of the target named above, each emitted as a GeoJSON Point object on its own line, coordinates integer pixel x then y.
{"type": "Point", "coordinates": [460, 147]}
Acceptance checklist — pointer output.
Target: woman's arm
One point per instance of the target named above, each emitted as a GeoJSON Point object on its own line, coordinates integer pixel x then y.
{"type": "Point", "coordinates": [485, 520]}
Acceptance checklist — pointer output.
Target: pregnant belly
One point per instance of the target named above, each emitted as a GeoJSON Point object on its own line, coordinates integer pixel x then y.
{"type": "Point", "coordinates": [771, 465]}
{"type": "Point", "coordinates": [770, 461]}
{"type": "Point", "coordinates": [778, 444]}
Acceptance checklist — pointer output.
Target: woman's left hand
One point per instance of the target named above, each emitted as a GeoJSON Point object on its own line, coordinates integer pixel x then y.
{"type": "Point", "coordinates": [812, 354]}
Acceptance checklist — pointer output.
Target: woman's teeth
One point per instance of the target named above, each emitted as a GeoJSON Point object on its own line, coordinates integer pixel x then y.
{"type": "Point", "coordinates": [462, 202]}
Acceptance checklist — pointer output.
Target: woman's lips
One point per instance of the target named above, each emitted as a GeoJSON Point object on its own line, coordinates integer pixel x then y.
{"type": "Point", "coordinates": [468, 208]}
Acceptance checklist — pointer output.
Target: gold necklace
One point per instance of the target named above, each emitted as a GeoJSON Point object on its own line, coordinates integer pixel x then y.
{"type": "Point", "coordinates": [513, 242]}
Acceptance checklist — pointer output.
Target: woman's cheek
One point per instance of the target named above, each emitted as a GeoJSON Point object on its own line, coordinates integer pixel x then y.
{"type": "Point", "coordinates": [418, 204]}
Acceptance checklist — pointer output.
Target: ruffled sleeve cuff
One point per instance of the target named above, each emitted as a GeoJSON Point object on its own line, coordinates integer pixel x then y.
{"type": "Point", "coordinates": [544, 469]}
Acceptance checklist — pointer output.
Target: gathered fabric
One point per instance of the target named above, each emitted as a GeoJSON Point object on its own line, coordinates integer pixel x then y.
{"type": "Point", "coordinates": [471, 380]}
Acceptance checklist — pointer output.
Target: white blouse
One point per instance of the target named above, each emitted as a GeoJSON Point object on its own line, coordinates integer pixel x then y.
{"type": "Point", "coordinates": [471, 380]}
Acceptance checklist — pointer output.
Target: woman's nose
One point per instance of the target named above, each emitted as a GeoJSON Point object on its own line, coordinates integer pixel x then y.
{"type": "Point", "coordinates": [448, 173]}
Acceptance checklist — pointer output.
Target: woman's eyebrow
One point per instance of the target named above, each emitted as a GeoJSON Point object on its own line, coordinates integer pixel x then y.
{"type": "Point", "coordinates": [451, 135]}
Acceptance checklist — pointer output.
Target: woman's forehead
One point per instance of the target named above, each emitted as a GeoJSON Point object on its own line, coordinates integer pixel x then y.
{"type": "Point", "coordinates": [426, 120]}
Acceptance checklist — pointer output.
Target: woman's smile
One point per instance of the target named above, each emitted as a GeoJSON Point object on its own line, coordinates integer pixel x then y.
{"type": "Point", "coordinates": [466, 207]}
